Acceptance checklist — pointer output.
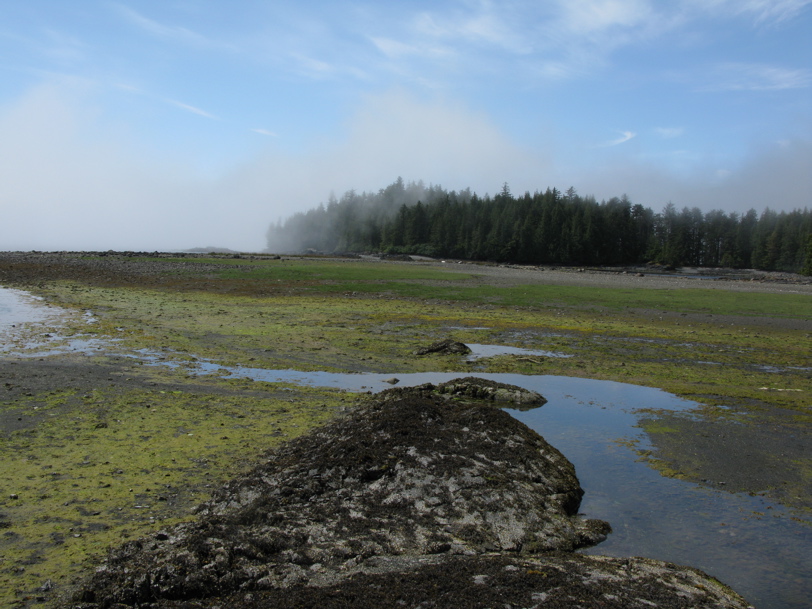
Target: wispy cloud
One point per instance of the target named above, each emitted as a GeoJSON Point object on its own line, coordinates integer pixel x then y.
{"type": "Point", "coordinates": [763, 12]}
{"type": "Point", "coordinates": [669, 132]}
{"type": "Point", "coordinates": [602, 15]}
{"type": "Point", "coordinates": [483, 25]}
{"type": "Point", "coordinates": [265, 132]}
{"type": "Point", "coordinates": [165, 100]}
{"type": "Point", "coordinates": [559, 39]}
{"type": "Point", "coordinates": [756, 77]}
{"type": "Point", "coordinates": [393, 48]}
{"type": "Point", "coordinates": [552, 40]}
{"type": "Point", "coordinates": [625, 136]}
{"type": "Point", "coordinates": [192, 109]}
{"type": "Point", "coordinates": [336, 68]}
{"type": "Point", "coordinates": [175, 33]}
{"type": "Point", "coordinates": [64, 48]}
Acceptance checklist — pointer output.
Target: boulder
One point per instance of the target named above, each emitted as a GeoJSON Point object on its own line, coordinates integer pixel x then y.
{"type": "Point", "coordinates": [447, 346]}
{"type": "Point", "coordinates": [414, 500]}
{"type": "Point", "coordinates": [501, 394]}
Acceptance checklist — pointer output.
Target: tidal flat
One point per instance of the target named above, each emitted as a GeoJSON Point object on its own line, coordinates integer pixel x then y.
{"type": "Point", "coordinates": [99, 444]}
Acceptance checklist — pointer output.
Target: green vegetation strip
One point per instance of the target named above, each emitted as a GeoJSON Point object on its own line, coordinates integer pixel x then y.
{"type": "Point", "coordinates": [416, 282]}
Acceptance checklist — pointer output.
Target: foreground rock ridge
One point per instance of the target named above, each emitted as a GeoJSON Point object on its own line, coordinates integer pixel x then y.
{"type": "Point", "coordinates": [416, 499]}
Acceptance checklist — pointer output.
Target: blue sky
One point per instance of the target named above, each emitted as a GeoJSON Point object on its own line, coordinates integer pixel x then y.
{"type": "Point", "coordinates": [180, 123]}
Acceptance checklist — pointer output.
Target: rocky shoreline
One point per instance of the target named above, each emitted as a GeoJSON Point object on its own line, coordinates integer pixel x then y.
{"type": "Point", "coordinates": [420, 498]}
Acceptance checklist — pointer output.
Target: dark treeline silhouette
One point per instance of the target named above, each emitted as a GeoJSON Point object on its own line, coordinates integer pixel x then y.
{"type": "Point", "coordinates": [546, 228]}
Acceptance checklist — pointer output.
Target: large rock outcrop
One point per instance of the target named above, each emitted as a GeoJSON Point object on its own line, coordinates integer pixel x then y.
{"type": "Point", "coordinates": [413, 500]}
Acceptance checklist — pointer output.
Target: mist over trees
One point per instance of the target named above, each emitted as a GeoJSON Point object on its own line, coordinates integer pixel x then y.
{"type": "Point", "coordinates": [550, 227]}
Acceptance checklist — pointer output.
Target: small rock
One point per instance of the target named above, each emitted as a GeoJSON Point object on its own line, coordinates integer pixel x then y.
{"type": "Point", "coordinates": [445, 346]}
{"type": "Point", "coordinates": [392, 381]}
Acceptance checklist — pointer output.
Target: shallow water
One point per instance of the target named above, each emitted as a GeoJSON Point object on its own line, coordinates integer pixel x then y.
{"type": "Point", "coordinates": [758, 548]}
{"type": "Point", "coordinates": [482, 351]}
{"type": "Point", "coordinates": [18, 307]}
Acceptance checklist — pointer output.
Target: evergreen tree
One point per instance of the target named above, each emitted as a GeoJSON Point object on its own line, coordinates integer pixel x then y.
{"type": "Point", "coordinates": [807, 268]}
{"type": "Point", "coordinates": [544, 228]}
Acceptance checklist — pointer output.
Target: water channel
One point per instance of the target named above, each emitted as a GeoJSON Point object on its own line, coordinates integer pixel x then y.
{"type": "Point", "coordinates": [759, 548]}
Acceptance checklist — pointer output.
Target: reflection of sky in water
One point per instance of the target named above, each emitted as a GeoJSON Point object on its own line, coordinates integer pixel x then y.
{"type": "Point", "coordinates": [482, 351]}
{"type": "Point", "coordinates": [20, 310]}
{"type": "Point", "coordinates": [18, 307]}
{"type": "Point", "coordinates": [750, 544]}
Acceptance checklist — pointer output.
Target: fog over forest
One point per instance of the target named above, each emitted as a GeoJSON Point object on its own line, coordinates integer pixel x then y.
{"type": "Point", "coordinates": [549, 227]}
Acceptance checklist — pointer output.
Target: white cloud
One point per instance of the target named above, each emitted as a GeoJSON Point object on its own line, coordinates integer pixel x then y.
{"type": "Point", "coordinates": [762, 11]}
{"type": "Point", "coordinates": [733, 76]}
{"type": "Point", "coordinates": [625, 136]}
{"type": "Point", "coordinates": [165, 100]}
{"type": "Point", "coordinates": [65, 184]}
{"type": "Point", "coordinates": [63, 48]}
{"type": "Point", "coordinates": [589, 16]}
{"type": "Point", "coordinates": [265, 132]}
{"type": "Point", "coordinates": [481, 24]}
{"type": "Point", "coordinates": [774, 11]}
{"type": "Point", "coordinates": [191, 109]}
{"type": "Point", "coordinates": [174, 33]}
{"type": "Point", "coordinates": [447, 42]}
{"type": "Point", "coordinates": [393, 48]}
{"type": "Point", "coordinates": [669, 132]}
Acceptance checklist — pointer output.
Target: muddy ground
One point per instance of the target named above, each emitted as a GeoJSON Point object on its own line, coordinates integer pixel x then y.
{"type": "Point", "coordinates": [716, 450]}
{"type": "Point", "coordinates": [755, 446]}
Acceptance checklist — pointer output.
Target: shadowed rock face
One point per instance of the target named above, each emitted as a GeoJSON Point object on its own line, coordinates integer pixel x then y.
{"type": "Point", "coordinates": [412, 493]}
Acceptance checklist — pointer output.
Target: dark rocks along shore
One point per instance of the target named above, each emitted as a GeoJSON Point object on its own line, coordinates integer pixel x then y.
{"type": "Point", "coordinates": [417, 499]}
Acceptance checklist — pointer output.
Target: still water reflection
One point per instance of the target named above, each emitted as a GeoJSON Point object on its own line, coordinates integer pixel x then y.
{"type": "Point", "coordinates": [18, 307]}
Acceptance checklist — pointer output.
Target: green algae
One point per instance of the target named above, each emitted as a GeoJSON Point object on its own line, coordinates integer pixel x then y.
{"type": "Point", "coordinates": [100, 467]}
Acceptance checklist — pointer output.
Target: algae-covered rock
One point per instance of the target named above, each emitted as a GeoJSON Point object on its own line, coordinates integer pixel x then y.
{"type": "Point", "coordinates": [412, 500]}
{"type": "Point", "coordinates": [491, 391]}
{"type": "Point", "coordinates": [553, 581]}
{"type": "Point", "coordinates": [447, 346]}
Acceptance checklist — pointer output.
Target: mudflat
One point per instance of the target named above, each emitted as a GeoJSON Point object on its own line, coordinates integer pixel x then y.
{"type": "Point", "coordinates": [99, 445]}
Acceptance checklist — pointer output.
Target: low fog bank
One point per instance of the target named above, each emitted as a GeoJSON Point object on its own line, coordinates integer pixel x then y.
{"type": "Point", "coordinates": [74, 178]}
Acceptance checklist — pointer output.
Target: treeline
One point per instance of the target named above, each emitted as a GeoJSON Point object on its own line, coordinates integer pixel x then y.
{"type": "Point", "coordinates": [546, 228]}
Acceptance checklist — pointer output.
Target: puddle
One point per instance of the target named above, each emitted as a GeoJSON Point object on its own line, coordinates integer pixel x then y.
{"type": "Point", "coordinates": [19, 311]}
{"type": "Point", "coordinates": [18, 308]}
{"type": "Point", "coordinates": [22, 317]}
{"type": "Point", "coordinates": [483, 351]}
{"type": "Point", "coordinates": [757, 547]}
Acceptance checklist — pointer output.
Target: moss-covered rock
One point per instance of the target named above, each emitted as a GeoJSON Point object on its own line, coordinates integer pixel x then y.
{"type": "Point", "coordinates": [412, 500]}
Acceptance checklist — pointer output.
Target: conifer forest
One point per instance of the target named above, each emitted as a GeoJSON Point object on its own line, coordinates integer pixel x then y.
{"type": "Point", "coordinates": [550, 227]}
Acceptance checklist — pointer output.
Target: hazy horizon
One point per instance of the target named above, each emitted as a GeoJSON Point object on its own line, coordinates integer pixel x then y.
{"type": "Point", "coordinates": [169, 126]}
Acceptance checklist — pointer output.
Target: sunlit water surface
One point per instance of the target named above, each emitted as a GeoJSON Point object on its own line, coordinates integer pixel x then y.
{"type": "Point", "coordinates": [760, 549]}
{"type": "Point", "coordinates": [18, 307]}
